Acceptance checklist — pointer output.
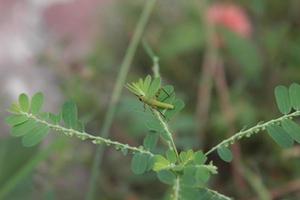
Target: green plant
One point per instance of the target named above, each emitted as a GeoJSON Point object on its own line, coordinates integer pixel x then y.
{"type": "Point", "coordinates": [187, 171]}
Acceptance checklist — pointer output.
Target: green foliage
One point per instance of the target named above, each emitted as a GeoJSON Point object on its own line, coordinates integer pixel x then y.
{"type": "Point", "coordinates": [294, 92]}
{"type": "Point", "coordinates": [166, 176]}
{"type": "Point", "coordinates": [188, 171]}
{"type": "Point", "coordinates": [279, 135]}
{"type": "Point", "coordinates": [139, 163]}
{"type": "Point", "coordinates": [225, 154]}
{"type": "Point", "coordinates": [37, 103]}
{"type": "Point", "coordinates": [283, 99]}
{"type": "Point", "coordinates": [24, 103]}
{"type": "Point", "coordinates": [292, 128]}
{"type": "Point", "coordinates": [69, 114]}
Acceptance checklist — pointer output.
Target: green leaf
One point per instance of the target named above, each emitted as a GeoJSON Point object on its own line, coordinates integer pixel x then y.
{"type": "Point", "coordinates": [14, 120]}
{"type": "Point", "coordinates": [69, 114]}
{"type": "Point", "coordinates": [292, 128]}
{"type": "Point", "coordinates": [37, 102]}
{"type": "Point", "coordinates": [294, 92]}
{"type": "Point", "coordinates": [202, 175]}
{"type": "Point", "coordinates": [150, 141]}
{"type": "Point", "coordinates": [199, 158]}
{"type": "Point", "coordinates": [24, 128]}
{"type": "Point", "coordinates": [283, 99]}
{"type": "Point", "coordinates": [35, 136]}
{"type": "Point", "coordinates": [225, 154]}
{"type": "Point", "coordinates": [166, 177]}
{"type": "Point", "coordinates": [24, 102]}
{"type": "Point", "coordinates": [188, 178]}
{"type": "Point", "coordinates": [160, 163]}
{"type": "Point", "coordinates": [14, 108]}
{"type": "Point", "coordinates": [154, 87]}
{"type": "Point", "coordinates": [279, 135]}
{"type": "Point", "coordinates": [171, 156]}
{"type": "Point", "coordinates": [178, 106]}
{"type": "Point", "coordinates": [186, 156]}
{"type": "Point", "coordinates": [139, 163]}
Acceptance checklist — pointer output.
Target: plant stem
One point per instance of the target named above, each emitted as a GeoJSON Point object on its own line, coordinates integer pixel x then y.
{"type": "Point", "coordinates": [172, 146]}
{"type": "Point", "coordinates": [84, 136]}
{"type": "Point", "coordinates": [249, 132]}
{"type": "Point", "coordinates": [156, 73]}
{"type": "Point", "coordinates": [176, 188]}
{"type": "Point", "coordinates": [117, 92]}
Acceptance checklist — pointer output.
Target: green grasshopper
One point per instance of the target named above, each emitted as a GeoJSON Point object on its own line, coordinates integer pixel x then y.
{"type": "Point", "coordinates": [148, 91]}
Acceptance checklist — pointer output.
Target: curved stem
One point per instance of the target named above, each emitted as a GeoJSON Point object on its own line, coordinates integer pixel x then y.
{"type": "Point", "coordinates": [251, 131]}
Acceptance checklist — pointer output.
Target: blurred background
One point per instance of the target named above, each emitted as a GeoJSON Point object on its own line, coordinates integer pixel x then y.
{"type": "Point", "coordinates": [223, 57]}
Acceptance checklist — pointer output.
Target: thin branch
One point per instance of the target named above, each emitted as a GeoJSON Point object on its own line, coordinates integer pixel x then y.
{"type": "Point", "coordinates": [176, 189]}
{"type": "Point", "coordinates": [249, 132]}
{"type": "Point", "coordinates": [172, 145]}
{"type": "Point", "coordinates": [84, 136]}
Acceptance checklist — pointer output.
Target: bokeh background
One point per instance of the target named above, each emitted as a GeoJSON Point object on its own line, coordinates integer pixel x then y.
{"type": "Point", "coordinates": [223, 57]}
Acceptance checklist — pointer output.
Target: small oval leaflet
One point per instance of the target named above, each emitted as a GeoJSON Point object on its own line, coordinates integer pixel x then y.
{"type": "Point", "coordinates": [202, 175]}
{"type": "Point", "coordinates": [35, 136]}
{"type": "Point", "coordinates": [14, 120]}
{"type": "Point", "coordinates": [69, 114]}
{"type": "Point", "coordinates": [24, 102]}
{"type": "Point", "coordinates": [280, 136]}
{"type": "Point", "coordinates": [23, 129]}
{"type": "Point", "coordinates": [283, 99]}
{"type": "Point", "coordinates": [37, 102]}
{"type": "Point", "coordinates": [166, 177]}
{"type": "Point", "coordinates": [139, 163]}
{"type": "Point", "coordinates": [225, 154]}
{"type": "Point", "coordinates": [294, 91]}
{"type": "Point", "coordinates": [292, 128]}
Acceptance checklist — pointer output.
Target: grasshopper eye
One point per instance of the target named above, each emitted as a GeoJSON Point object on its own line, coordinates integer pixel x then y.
{"type": "Point", "coordinates": [140, 98]}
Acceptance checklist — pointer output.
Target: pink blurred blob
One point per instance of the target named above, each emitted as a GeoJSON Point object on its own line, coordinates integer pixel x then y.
{"type": "Point", "coordinates": [230, 16]}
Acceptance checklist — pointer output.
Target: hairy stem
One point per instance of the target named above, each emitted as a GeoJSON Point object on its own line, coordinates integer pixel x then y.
{"type": "Point", "coordinates": [84, 136]}
{"type": "Point", "coordinates": [249, 132]}
{"type": "Point", "coordinates": [117, 92]}
{"type": "Point", "coordinates": [171, 143]}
